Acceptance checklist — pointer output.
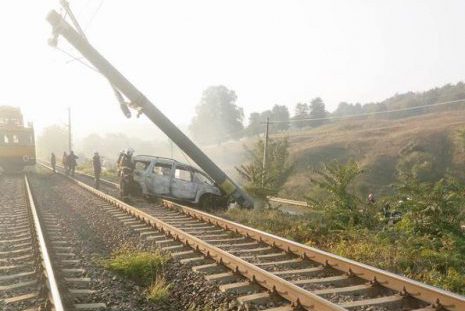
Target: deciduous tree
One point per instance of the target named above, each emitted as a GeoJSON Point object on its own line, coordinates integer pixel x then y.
{"type": "Point", "coordinates": [301, 112]}
{"type": "Point", "coordinates": [317, 111]}
{"type": "Point", "coordinates": [218, 118]}
{"type": "Point", "coordinates": [280, 113]}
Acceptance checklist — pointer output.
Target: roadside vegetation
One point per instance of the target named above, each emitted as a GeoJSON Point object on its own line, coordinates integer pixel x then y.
{"type": "Point", "coordinates": [416, 231]}
{"type": "Point", "coordinates": [262, 183]}
{"type": "Point", "coordinates": [144, 268]}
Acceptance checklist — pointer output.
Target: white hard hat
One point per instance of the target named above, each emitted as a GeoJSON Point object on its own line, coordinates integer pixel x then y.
{"type": "Point", "coordinates": [130, 150]}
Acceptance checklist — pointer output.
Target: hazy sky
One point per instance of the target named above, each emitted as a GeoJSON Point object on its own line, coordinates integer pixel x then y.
{"type": "Point", "coordinates": [269, 52]}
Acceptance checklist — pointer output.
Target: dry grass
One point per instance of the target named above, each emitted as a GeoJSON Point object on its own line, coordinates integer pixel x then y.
{"type": "Point", "coordinates": [159, 290]}
{"type": "Point", "coordinates": [374, 143]}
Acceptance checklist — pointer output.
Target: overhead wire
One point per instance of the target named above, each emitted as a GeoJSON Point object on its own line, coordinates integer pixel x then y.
{"type": "Point", "coordinates": [77, 59]}
{"type": "Point", "coordinates": [370, 113]}
{"type": "Point", "coordinates": [94, 14]}
{"type": "Point", "coordinates": [363, 130]}
{"type": "Point", "coordinates": [96, 11]}
{"type": "Point", "coordinates": [234, 134]}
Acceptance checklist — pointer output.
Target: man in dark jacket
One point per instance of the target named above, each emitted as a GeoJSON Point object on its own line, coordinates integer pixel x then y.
{"type": "Point", "coordinates": [126, 168]}
{"type": "Point", "coordinates": [72, 162]}
{"type": "Point", "coordinates": [53, 162]}
{"type": "Point", "coordinates": [97, 168]}
{"type": "Point", "coordinates": [65, 162]}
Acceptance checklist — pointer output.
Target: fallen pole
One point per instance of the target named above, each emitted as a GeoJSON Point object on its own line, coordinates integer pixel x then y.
{"type": "Point", "coordinates": [143, 105]}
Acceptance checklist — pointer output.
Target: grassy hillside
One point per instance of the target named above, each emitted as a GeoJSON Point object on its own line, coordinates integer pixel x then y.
{"type": "Point", "coordinates": [426, 145]}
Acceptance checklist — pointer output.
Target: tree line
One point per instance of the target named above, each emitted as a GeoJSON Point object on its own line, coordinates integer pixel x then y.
{"type": "Point", "coordinates": [218, 117]}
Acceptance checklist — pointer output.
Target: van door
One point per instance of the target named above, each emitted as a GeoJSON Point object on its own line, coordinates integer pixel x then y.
{"type": "Point", "coordinates": [140, 168]}
{"type": "Point", "coordinates": [159, 178]}
{"type": "Point", "coordinates": [182, 185]}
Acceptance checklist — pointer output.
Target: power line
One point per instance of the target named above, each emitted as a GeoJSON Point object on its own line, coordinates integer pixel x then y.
{"type": "Point", "coordinates": [358, 131]}
{"type": "Point", "coordinates": [372, 113]}
{"type": "Point", "coordinates": [77, 59]}
{"type": "Point", "coordinates": [96, 11]}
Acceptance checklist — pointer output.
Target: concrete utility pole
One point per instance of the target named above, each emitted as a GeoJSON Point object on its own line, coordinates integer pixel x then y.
{"type": "Point", "coordinates": [265, 151]}
{"type": "Point", "coordinates": [141, 103]}
{"type": "Point", "coordinates": [70, 137]}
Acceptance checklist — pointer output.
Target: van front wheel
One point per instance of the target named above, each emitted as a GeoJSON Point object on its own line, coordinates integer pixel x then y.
{"type": "Point", "coordinates": [211, 202]}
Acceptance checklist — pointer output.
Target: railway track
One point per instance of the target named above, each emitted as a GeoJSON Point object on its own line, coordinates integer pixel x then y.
{"type": "Point", "coordinates": [27, 280]}
{"type": "Point", "coordinates": [38, 268]}
{"type": "Point", "coordinates": [260, 266]}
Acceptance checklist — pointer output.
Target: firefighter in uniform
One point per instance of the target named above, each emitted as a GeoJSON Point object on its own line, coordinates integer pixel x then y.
{"type": "Point", "coordinates": [97, 164]}
{"type": "Point", "coordinates": [126, 168]}
{"type": "Point", "coordinates": [53, 162]}
{"type": "Point", "coordinates": [72, 163]}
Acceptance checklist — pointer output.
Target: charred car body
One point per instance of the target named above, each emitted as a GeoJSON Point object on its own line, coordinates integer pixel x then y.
{"type": "Point", "coordinates": [168, 178]}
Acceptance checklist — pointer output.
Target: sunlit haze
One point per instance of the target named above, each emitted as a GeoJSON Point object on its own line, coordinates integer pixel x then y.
{"type": "Point", "coordinates": [269, 52]}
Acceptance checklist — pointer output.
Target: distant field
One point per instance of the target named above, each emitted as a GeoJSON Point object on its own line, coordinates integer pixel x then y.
{"type": "Point", "coordinates": [381, 146]}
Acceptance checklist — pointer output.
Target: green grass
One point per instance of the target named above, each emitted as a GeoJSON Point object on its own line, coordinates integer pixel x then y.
{"type": "Point", "coordinates": [301, 228]}
{"type": "Point", "coordinates": [141, 267]}
{"type": "Point", "coordinates": [389, 248]}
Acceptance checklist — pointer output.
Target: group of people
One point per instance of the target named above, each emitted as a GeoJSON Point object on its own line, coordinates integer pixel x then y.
{"type": "Point", "coordinates": [124, 164]}
{"type": "Point", "coordinates": [69, 162]}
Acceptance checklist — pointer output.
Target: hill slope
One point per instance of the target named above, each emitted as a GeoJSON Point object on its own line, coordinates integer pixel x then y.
{"type": "Point", "coordinates": [426, 146]}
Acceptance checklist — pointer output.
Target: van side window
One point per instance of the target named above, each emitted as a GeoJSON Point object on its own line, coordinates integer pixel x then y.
{"type": "Point", "coordinates": [201, 178]}
{"type": "Point", "coordinates": [140, 166]}
{"type": "Point", "coordinates": [162, 169]}
{"type": "Point", "coordinates": [183, 174]}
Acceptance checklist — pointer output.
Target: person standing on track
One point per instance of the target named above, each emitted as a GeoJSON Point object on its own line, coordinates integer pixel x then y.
{"type": "Point", "coordinates": [97, 169]}
{"type": "Point", "coordinates": [65, 162]}
{"type": "Point", "coordinates": [53, 162]}
{"type": "Point", "coordinates": [126, 168]}
{"type": "Point", "coordinates": [72, 162]}
{"type": "Point", "coordinates": [120, 156]}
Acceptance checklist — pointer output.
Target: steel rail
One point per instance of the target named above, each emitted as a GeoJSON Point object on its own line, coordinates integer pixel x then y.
{"type": "Point", "coordinates": [293, 293]}
{"type": "Point", "coordinates": [432, 295]}
{"type": "Point", "coordinates": [288, 201]}
{"type": "Point", "coordinates": [436, 297]}
{"type": "Point", "coordinates": [103, 181]}
{"type": "Point", "coordinates": [46, 262]}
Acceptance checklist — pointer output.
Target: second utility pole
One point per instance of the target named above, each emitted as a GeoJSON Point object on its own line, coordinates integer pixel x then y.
{"type": "Point", "coordinates": [265, 151]}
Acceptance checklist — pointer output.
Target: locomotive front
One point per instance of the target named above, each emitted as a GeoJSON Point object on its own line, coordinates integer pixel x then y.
{"type": "Point", "coordinates": [17, 144]}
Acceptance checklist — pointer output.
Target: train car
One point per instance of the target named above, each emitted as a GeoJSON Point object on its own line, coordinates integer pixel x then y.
{"type": "Point", "coordinates": [17, 143]}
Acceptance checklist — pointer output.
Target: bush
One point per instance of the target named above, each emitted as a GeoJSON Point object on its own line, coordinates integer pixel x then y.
{"type": "Point", "coordinates": [427, 244]}
{"type": "Point", "coordinates": [141, 267]}
{"type": "Point", "coordinates": [262, 183]}
{"type": "Point", "coordinates": [300, 228]}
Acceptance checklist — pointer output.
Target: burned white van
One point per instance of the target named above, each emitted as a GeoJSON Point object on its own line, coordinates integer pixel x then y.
{"type": "Point", "coordinates": [168, 178]}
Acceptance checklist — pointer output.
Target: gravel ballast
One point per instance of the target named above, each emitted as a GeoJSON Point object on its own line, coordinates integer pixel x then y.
{"type": "Point", "coordinates": [97, 235]}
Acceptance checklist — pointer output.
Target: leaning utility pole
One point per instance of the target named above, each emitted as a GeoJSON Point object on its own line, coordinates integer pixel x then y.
{"type": "Point", "coordinates": [265, 151]}
{"type": "Point", "coordinates": [70, 139]}
{"type": "Point", "coordinates": [138, 101]}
